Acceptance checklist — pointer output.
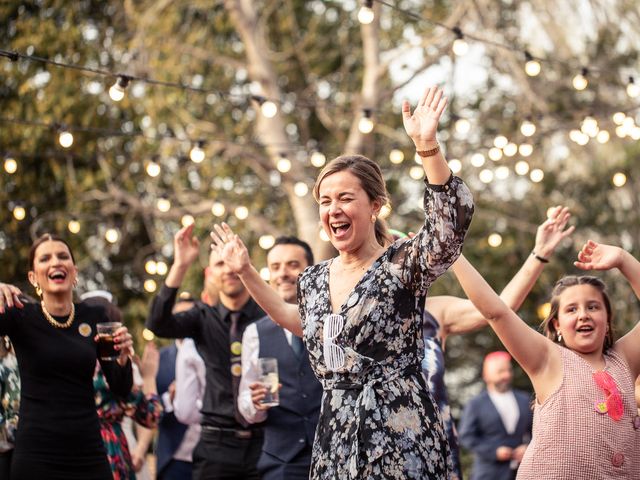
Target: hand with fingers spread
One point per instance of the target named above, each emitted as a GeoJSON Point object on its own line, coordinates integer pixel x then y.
{"type": "Point", "coordinates": [230, 248]}
{"type": "Point", "coordinates": [421, 126]}
{"type": "Point", "coordinates": [9, 297]}
{"type": "Point", "coordinates": [598, 256]}
{"type": "Point", "coordinates": [186, 246]}
{"type": "Point", "coordinates": [553, 231]}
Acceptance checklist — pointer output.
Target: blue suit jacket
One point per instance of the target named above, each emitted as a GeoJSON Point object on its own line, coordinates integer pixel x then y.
{"type": "Point", "coordinates": [482, 432]}
{"type": "Point", "coordinates": [170, 430]}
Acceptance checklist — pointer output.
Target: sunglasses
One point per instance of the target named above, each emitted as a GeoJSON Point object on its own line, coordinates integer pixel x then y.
{"type": "Point", "coordinates": [333, 354]}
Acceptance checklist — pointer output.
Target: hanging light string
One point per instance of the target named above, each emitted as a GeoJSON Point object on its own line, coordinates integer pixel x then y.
{"type": "Point", "coordinates": [459, 34]}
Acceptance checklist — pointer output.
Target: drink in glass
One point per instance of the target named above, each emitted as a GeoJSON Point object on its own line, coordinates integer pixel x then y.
{"type": "Point", "coordinates": [269, 378]}
{"type": "Point", "coordinates": [106, 344]}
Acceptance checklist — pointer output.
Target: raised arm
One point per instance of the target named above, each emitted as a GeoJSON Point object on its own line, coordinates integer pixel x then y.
{"type": "Point", "coordinates": [457, 315]}
{"type": "Point", "coordinates": [537, 355]}
{"type": "Point", "coordinates": [236, 256]}
{"type": "Point", "coordinates": [598, 256]}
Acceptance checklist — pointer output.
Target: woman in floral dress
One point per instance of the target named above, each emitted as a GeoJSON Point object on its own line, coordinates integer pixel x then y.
{"type": "Point", "coordinates": [9, 403]}
{"type": "Point", "coordinates": [361, 312]}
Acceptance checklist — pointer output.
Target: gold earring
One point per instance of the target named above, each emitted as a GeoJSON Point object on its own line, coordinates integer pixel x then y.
{"type": "Point", "coordinates": [38, 289]}
{"type": "Point", "coordinates": [559, 337]}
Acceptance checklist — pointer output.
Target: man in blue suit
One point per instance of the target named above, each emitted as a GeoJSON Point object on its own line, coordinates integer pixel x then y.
{"type": "Point", "coordinates": [289, 427]}
{"type": "Point", "coordinates": [496, 425]}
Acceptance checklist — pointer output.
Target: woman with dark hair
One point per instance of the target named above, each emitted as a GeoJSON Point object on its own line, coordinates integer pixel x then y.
{"type": "Point", "coordinates": [585, 418]}
{"type": "Point", "coordinates": [59, 434]}
{"type": "Point", "coordinates": [361, 312]}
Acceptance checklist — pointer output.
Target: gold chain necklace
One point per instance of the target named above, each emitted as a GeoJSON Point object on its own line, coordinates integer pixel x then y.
{"type": "Point", "coordinates": [53, 321]}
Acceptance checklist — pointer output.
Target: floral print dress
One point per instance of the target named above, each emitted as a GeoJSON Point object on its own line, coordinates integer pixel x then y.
{"type": "Point", "coordinates": [9, 400]}
{"type": "Point", "coordinates": [144, 409]}
{"type": "Point", "coordinates": [378, 419]}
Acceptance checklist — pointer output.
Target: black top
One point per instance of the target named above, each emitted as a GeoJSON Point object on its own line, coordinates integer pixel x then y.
{"type": "Point", "coordinates": [58, 416]}
{"type": "Point", "coordinates": [209, 328]}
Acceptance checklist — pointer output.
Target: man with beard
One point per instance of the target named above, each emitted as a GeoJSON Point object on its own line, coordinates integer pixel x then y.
{"type": "Point", "coordinates": [496, 425]}
{"type": "Point", "coordinates": [290, 426]}
{"type": "Point", "coordinates": [229, 447]}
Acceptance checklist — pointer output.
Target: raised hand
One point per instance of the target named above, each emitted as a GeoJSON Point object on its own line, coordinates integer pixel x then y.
{"type": "Point", "coordinates": [150, 361]}
{"type": "Point", "coordinates": [9, 297]}
{"type": "Point", "coordinates": [552, 231]}
{"type": "Point", "coordinates": [598, 256]}
{"type": "Point", "coordinates": [186, 247]}
{"type": "Point", "coordinates": [230, 248]}
{"type": "Point", "coordinates": [421, 126]}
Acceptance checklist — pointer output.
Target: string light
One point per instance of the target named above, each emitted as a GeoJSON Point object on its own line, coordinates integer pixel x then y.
{"type": "Point", "coordinates": [590, 126]}
{"type": "Point", "coordinates": [486, 176]}
{"type": "Point", "coordinates": [19, 212]}
{"type": "Point", "coordinates": [633, 90]}
{"type": "Point", "coordinates": [619, 179]}
{"type": "Point", "coordinates": [463, 126]}
{"type": "Point", "coordinates": [150, 285]}
{"type": "Point", "coordinates": [603, 136]}
{"type": "Point", "coordinates": [385, 211]}
{"type": "Point", "coordinates": [283, 164]}
{"type": "Point", "coordinates": [318, 159]}
{"type": "Point", "coordinates": [153, 169]}
{"type": "Point", "coordinates": [116, 92]}
{"type": "Point", "coordinates": [365, 125]}
{"type": "Point", "coordinates": [477, 160]}
{"type": "Point", "coordinates": [265, 274]}
{"type": "Point", "coordinates": [544, 310]}
{"type": "Point", "coordinates": [162, 268]}
{"type": "Point", "coordinates": [218, 209]}
{"type": "Point", "coordinates": [366, 14]}
{"type": "Point", "coordinates": [111, 235]}
{"type": "Point", "coordinates": [416, 173]}
{"type": "Point", "coordinates": [268, 108]}
{"type": "Point", "coordinates": [300, 189]}
{"type": "Point", "coordinates": [536, 175]}
{"type": "Point", "coordinates": [266, 241]}
{"type": "Point", "coordinates": [532, 66]}
{"type": "Point", "coordinates": [580, 81]}
{"type": "Point", "coordinates": [197, 152]}
{"type": "Point", "coordinates": [241, 212]}
{"type": "Point", "coordinates": [455, 165]}
{"type": "Point", "coordinates": [522, 167]}
{"type": "Point", "coordinates": [495, 154]}
{"type": "Point", "coordinates": [74, 226]}
{"type": "Point", "coordinates": [10, 165]}
{"type": "Point", "coordinates": [525, 149]}
{"type": "Point", "coordinates": [148, 335]}
{"type": "Point", "coordinates": [151, 267]}
{"type": "Point", "coordinates": [417, 158]}
{"type": "Point", "coordinates": [500, 141]}
{"type": "Point", "coordinates": [460, 45]}
{"type": "Point", "coordinates": [527, 128]}
{"type": "Point", "coordinates": [502, 172]}
{"type": "Point", "coordinates": [396, 156]}
{"type": "Point", "coordinates": [510, 149]}
{"type": "Point", "coordinates": [163, 204]}
{"type": "Point", "coordinates": [65, 139]}
{"type": "Point", "coordinates": [494, 240]}
{"type": "Point", "coordinates": [187, 220]}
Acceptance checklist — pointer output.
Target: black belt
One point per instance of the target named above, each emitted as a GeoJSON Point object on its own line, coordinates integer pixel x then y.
{"type": "Point", "coordinates": [234, 432]}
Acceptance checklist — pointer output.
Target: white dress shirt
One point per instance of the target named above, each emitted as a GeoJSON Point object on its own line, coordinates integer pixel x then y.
{"type": "Point", "coordinates": [190, 383]}
{"type": "Point", "coordinates": [251, 373]}
{"type": "Point", "coordinates": [507, 407]}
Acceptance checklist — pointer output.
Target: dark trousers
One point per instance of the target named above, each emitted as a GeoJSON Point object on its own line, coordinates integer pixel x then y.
{"type": "Point", "coordinates": [176, 470]}
{"type": "Point", "coordinates": [5, 464]}
{"type": "Point", "coordinates": [273, 468]}
{"type": "Point", "coordinates": [223, 456]}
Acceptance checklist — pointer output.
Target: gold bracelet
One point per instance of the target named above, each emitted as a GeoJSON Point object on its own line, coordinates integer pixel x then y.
{"type": "Point", "coordinates": [428, 153]}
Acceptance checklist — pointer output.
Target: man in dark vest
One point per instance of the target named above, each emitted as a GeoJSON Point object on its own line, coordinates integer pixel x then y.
{"type": "Point", "coordinates": [289, 427]}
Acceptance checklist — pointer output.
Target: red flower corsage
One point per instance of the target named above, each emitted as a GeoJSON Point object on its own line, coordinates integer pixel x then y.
{"type": "Point", "coordinates": [612, 404]}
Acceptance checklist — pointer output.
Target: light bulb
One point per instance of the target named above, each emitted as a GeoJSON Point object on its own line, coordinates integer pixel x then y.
{"type": "Point", "coordinates": [187, 220]}
{"type": "Point", "coordinates": [510, 149]}
{"type": "Point", "coordinates": [603, 136]}
{"type": "Point", "coordinates": [536, 175]}
{"type": "Point", "coordinates": [365, 14]}
{"type": "Point", "coordinates": [112, 235]}
{"type": "Point", "coordinates": [619, 179]}
{"type": "Point", "coordinates": [463, 126]}
{"type": "Point", "coordinates": [197, 153]}
{"type": "Point", "coordinates": [218, 209]}
{"type": "Point", "coordinates": [163, 204]}
{"type": "Point", "coordinates": [494, 240]}
{"type": "Point", "coordinates": [266, 241]}
{"type": "Point", "coordinates": [460, 47]}
{"type": "Point", "coordinates": [153, 169]}
{"type": "Point", "coordinates": [522, 167]}
{"type": "Point", "coordinates": [396, 156]}
{"type": "Point", "coordinates": [162, 268]}
{"type": "Point", "coordinates": [73, 226]}
{"type": "Point", "coordinates": [269, 109]}
{"type": "Point", "coordinates": [318, 159]}
{"type": "Point", "coordinates": [500, 141]}
{"type": "Point", "coordinates": [485, 176]}
{"type": "Point", "coordinates": [416, 173]}
{"type": "Point", "coordinates": [116, 92]}
{"type": "Point", "coordinates": [66, 139]}
{"type": "Point", "coordinates": [366, 124]}
{"type": "Point", "coordinates": [19, 212]}
{"type": "Point", "coordinates": [265, 274]}
{"type": "Point", "coordinates": [477, 159]}
{"type": "Point", "coordinates": [241, 212]}
{"type": "Point", "coordinates": [495, 154]}
{"type": "Point", "coordinates": [283, 165]}
{"type": "Point", "coordinates": [580, 81]}
{"type": "Point", "coordinates": [300, 189]}
{"type": "Point", "coordinates": [618, 118]}
{"type": "Point", "coordinates": [502, 172]}
{"type": "Point", "coordinates": [532, 68]}
{"type": "Point", "coordinates": [527, 128]}
{"type": "Point", "coordinates": [455, 165]}
{"type": "Point", "coordinates": [150, 285]}
{"type": "Point", "coordinates": [10, 165]}
{"type": "Point", "coordinates": [151, 267]}
{"type": "Point", "coordinates": [633, 89]}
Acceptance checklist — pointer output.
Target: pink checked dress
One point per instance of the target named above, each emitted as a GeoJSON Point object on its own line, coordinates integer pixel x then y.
{"type": "Point", "coordinates": [571, 440]}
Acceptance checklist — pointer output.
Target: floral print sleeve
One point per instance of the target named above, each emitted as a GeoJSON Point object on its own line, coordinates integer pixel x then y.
{"type": "Point", "coordinates": [448, 212]}
{"type": "Point", "coordinates": [9, 400]}
{"type": "Point", "coordinates": [144, 409]}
